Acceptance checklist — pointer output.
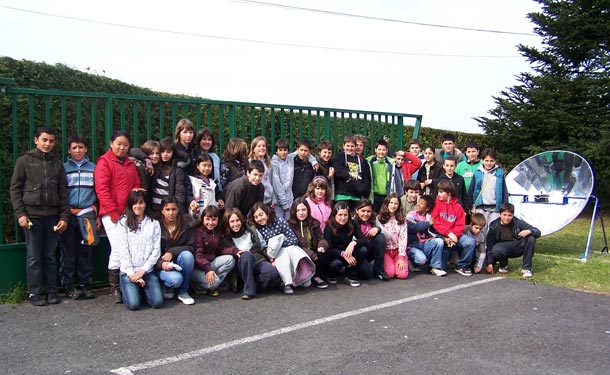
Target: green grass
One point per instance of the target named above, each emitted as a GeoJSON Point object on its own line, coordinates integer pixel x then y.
{"type": "Point", "coordinates": [16, 295]}
{"type": "Point", "coordinates": [556, 259]}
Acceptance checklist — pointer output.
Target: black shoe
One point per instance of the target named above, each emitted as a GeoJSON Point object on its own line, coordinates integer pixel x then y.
{"type": "Point", "coordinates": [319, 283]}
{"type": "Point", "coordinates": [86, 292]}
{"type": "Point", "coordinates": [73, 293]}
{"type": "Point", "coordinates": [36, 300]}
{"type": "Point", "coordinates": [52, 298]}
{"type": "Point", "coordinates": [382, 275]}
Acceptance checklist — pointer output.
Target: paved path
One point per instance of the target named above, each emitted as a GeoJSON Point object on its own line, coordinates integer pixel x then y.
{"type": "Point", "coordinates": [425, 325]}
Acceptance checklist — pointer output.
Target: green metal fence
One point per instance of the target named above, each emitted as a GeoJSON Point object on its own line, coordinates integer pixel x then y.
{"type": "Point", "coordinates": [97, 115]}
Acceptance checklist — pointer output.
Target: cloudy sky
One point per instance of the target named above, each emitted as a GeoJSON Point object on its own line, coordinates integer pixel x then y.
{"type": "Point", "coordinates": [395, 59]}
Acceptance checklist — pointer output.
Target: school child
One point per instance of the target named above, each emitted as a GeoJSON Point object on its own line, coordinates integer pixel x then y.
{"type": "Point", "coordinates": [475, 230]}
{"type": "Point", "coordinates": [303, 168]}
{"type": "Point", "coordinates": [457, 181]}
{"type": "Point", "coordinates": [205, 191]}
{"type": "Point", "coordinates": [213, 260]}
{"type": "Point", "coordinates": [81, 232]}
{"type": "Point", "coordinates": [448, 149]}
{"type": "Point", "coordinates": [394, 226]}
{"type": "Point", "coordinates": [139, 244]}
{"type": "Point", "coordinates": [384, 178]}
{"type": "Point", "coordinates": [407, 164]}
{"type": "Point", "coordinates": [510, 237]}
{"type": "Point", "coordinates": [253, 267]}
{"type": "Point", "coordinates": [247, 190]}
{"type": "Point", "coordinates": [429, 171]}
{"type": "Point", "coordinates": [39, 196]}
{"type": "Point", "coordinates": [258, 151]}
{"type": "Point", "coordinates": [319, 200]}
{"type": "Point", "coordinates": [115, 176]}
{"type": "Point", "coordinates": [415, 149]}
{"type": "Point", "coordinates": [466, 167]}
{"type": "Point", "coordinates": [449, 220]}
{"type": "Point", "coordinates": [184, 146]}
{"type": "Point", "coordinates": [206, 144]}
{"type": "Point", "coordinates": [324, 157]}
{"type": "Point", "coordinates": [175, 266]}
{"type": "Point", "coordinates": [311, 239]}
{"type": "Point", "coordinates": [409, 200]}
{"type": "Point", "coordinates": [424, 246]}
{"type": "Point", "coordinates": [359, 144]}
{"type": "Point", "coordinates": [292, 263]}
{"type": "Point", "coordinates": [234, 162]}
{"type": "Point", "coordinates": [145, 158]}
{"type": "Point", "coordinates": [488, 188]}
{"type": "Point", "coordinates": [168, 180]}
{"type": "Point", "coordinates": [352, 174]}
{"type": "Point", "coordinates": [375, 240]}
{"type": "Point", "coordinates": [347, 247]}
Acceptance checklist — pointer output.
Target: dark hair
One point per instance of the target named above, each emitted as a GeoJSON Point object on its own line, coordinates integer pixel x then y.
{"type": "Point", "coordinates": [361, 138]}
{"type": "Point", "coordinates": [349, 138]}
{"type": "Point", "coordinates": [304, 142]}
{"type": "Point", "coordinates": [76, 138]}
{"type": "Point", "coordinates": [202, 158]}
{"type": "Point", "coordinates": [211, 211]}
{"type": "Point", "coordinates": [319, 181]}
{"type": "Point", "coordinates": [478, 219]}
{"type": "Point", "coordinates": [205, 132]}
{"type": "Point", "coordinates": [167, 144]}
{"type": "Point", "coordinates": [429, 201]}
{"type": "Point", "coordinates": [381, 142]}
{"type": "Point", "coordinates": [449, 137]}
{"type": "Point", "coordinates": [412, 185]}
{"type": "Point", "coordinates": [450, 158]}
{"type": "Point", "coordinates": [268, 211]}
{"type": "Point", "coordinates": [134, 197]}
{"type": "Point", "coordinates": [384, 213]}
{"type": "Point", "coordinates": [507, 207]}
{"type": "Point", "coordinates": [325, 145]}
{"type": "Point", "coordinates": [447, 186]}
{"type": "Point", "coordinates": [227, 216]}
{"type": "Point", "coordinates": [256, 164]}
{"type": "Point", "coordinates": [183, 124]}
{"type": "Point", "coordinates": [281, 143]}
{"type": "Point", "coordinates": [414, 141]}
{"type": "Point", "coordinates": [44, 129]}
{"type": "Point", "coordinates": [120, 133]}
{"type": "Point", "coordinates": [236, 149]}
{"type": "Point", "coordinates": [332, 222]}
{"type": "Point", "coordinates": [293, 221]}
{"type": "Point", "coordinates": [472, 144]}
{"type": "Point", "coordinates": [168, 199]}
{"type": "Point", "coordinates": [489, 152]}
{"type": "Point", "coordinates": [430, 147]}
{"type": "Point", "coordinates": [363, 202]}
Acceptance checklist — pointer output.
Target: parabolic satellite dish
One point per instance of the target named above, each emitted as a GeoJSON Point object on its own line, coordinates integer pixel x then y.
{"type": "Point", "coordinates": [550, 189]}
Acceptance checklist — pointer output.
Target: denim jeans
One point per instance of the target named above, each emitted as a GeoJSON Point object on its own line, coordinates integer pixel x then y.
{"type": "Point", "coordinates": [335, 263]}
{"type": "Point", "coordinates": [132, 293]}
{"type": "Point", "coordinates": [221, 265]}
{"type": "Point", "coordinates": [431, 250]}
{"type": "Point", "coordinates": [41, 265]}
{"type": "Point", "coordinates": [76, 264]}
{"type": "Point", "coordinates": [513, 249]}
{"type": "Point", "coordinates": [179, 280]}
{"type": "Point", "coordinates": [376, 253]}
{"type": "Point", "coordinates": [465, 248]}
{"type": "Point", "coordinates": [256, 277]}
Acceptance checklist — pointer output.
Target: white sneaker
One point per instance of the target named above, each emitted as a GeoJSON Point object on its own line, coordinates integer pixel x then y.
{"type": "Point", "coordinates": [437, 272]}
{"type": "Point", "coordinates": [306, 284]}
{"type": "Point", "coordinates": [503, 269]}
{"type": "Point", "coordinates": [186, 299]}
{"type": "Point", "coordinates": [527, 274]}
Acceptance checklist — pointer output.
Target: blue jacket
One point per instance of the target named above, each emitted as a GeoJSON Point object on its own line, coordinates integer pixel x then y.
{"type": "Point", "coordinates": [477, 184]}
{"type": "Point", "coordinates": [394, 180]}
{"type": "Point", "coordinates": [493, 234]}
{"type": "Point", "coordinates": [80, 183]}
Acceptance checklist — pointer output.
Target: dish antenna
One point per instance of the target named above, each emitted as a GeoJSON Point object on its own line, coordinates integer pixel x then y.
{"type": "Point", "coordinates": [549, 190]}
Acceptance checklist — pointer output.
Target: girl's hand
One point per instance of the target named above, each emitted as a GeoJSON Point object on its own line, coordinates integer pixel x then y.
{"type": "Point", "coordinates": [240, 252]}
{"type": "Point", "coordinates": [136, 276]}
{"type": "Point", "coordinates": [453, 237]}
{"type": "Point", "coordinates": [331, 172]}
{"type": "Point", "coordinates": [372, 233]}
{"type": "Point", "coordinates": [167, 257]}
{"type": "Point", "coordinates": [350, 259]}
{"type": "Point", "coordinates": [221, 204]}
{"type": "Point", "coordinates": [194, 206]}
{"type": "Point", "coordinates": [401, 264]}
{"type": "Point", "coordinates": [166, 267]}
{"type": "Point", "coordinates": [210, 277]}
{"type": "Point", "coordinates": [349, 250]}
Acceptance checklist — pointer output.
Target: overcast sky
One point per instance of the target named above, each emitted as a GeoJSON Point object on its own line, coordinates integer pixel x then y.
{"type": "Point", "coordinates": [199, 48]}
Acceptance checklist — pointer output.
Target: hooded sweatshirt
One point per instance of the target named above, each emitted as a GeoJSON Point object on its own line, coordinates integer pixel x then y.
{"type": "Point", "coordinates": [449, 217]}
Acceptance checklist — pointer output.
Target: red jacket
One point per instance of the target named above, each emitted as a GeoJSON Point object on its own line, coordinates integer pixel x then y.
{"type": "Point", "coordinates": [208, 246]}
{"type": "Point", "coordinates": [410, 165]}
{"type": "Point", "coordinates": [113, 183]}
{"type": "Point", "coordinates": [448, 217]}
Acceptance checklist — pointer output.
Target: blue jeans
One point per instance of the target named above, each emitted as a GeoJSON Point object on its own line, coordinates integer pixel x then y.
{"type": "Point", "coordinates": [179, 279]}
{"type": "Point", "coordinates": [429, 250]}
{"type": "Point", "coordinates": [221, 265]}
{"type": "Point", "coordinates": [132, 297]}
{"type": "Point", "coordinates": [76, 264]}
{"type": "Point", "coordinates": [256, 277]}
{"type": "Point", "coordinates": [465, 248]}
{"type": "Point", "coordinates": [41, 265]}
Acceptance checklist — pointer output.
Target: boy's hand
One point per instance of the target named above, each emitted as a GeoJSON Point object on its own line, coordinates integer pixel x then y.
{"type": "Point", "coordinates": [24, 222]}
{"type": "Point", "coordinates": [331, 172]}
{"type": "Point", "coordinates": [61, 226]}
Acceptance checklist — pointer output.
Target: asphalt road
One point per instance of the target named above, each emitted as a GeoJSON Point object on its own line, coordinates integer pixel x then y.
{"type": "Point", "coordinates": [424, 325]}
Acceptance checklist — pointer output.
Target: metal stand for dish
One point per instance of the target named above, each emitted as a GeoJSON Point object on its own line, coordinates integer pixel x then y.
{"type": "Point", "coordinates": [585, 256]}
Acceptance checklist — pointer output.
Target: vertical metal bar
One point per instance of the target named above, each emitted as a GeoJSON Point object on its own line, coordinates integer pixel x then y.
{"type": "Point", "coordinates": [198, 117]}
{"type": "Point", "coordinates": [161, 120]}
{"type": "Point", "coordinates": [263, 112]}
{"type": "Point", "coordinates": [272, 128]}
{"type": "Point", "coordinates": [108, 117]}
{"type": "Point", "coordinates": [221, 127]}
{"type": "Point", "coordinates": [291, 128]}
{"type": "Point", "coordinates": [122, 114]}
{"type": "Point", "coordinates": [64, 130]}
{"type": "Point", "coordinates": [232, 122]}
{"type": "Point", "coordinates": [309, 125]}
{"type": "Point", "coordinates": [148, 120]}
{"type": "Point", "coordinates": [327, 125]}
{"type": "Point", "coordinates": [79, 115]}
{"type": "Point", "coordinates": [135, 135]}
{"type": "Point", "coordinates": [31, 120]}
{"type": "Point", "coordinates": [282, 127]}
{"type": "Point", "coordinates": [174, 118]}
{"type": "Point", "coordinates": [300, 124]}
{"type": "Point", "coordinates": [252, 122]}
{"type": "Point", "coordinates": [243, 126]}
{"type": "Point", "coordinates": [47, 111]}
{"type": "Point", "coordinates": [210, 118]}
{"type": "Point", "coordinates": [107, 128]}
{"type": "Point", "coordinates": [418, 121]}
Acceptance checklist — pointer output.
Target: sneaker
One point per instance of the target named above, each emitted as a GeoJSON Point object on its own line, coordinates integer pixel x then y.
{"type": "Point", "coordinates": [86, 292]}
{"type": "Point", "coordinates": [319, 283]}
{"type": "Point", "coordinates": [246, 297]}
{"type": "Point", "coordinates": [73, 293]}
{"type": "Point", "coordinates": [36, 300]}
{"type": "Point", "coordinates": [382, 275]}
{"type": "Point", "coordinates": [213, 293]}
{"type": "Point", "coordinates": [503, 269]}
{"type": "Point", "coordinates": [306, 284]}
{"type": "Point", "coordinates": [527, 274]}
{"type": "Point", "coordinates": [168, 293]}
{"type": "Point", "coordinates": [332, 280]}
{"type": "Point", "coordinates": [437, 272]}
{"type": "Point", "coordinates": [52, 299]}
{"type": "Point", "coordinates": [288, 289]}
{"type": "Point", "coordinates": [352, 282]}
{"type": "Point", "coordinates": [186, 299]}
{"type": "Point", "coordinates": [464, 271]}
{"type": "Point", "coordinates": [413, 268]}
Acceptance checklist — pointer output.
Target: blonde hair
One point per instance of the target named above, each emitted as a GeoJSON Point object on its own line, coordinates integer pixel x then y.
{"type": "Point", "coordinates": [266, 159]}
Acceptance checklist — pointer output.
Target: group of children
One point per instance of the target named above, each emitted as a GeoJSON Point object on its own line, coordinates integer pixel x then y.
{"type": "Point", "coordinates": [179, 218]}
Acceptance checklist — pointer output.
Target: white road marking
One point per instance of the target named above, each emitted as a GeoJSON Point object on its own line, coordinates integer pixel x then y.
{"type": "Point", "coordinates": [129, 370]}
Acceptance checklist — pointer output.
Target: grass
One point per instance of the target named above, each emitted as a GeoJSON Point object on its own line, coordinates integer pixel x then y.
{"type": "Point", "coordinates": [556, 259]}
{"type": "Point", "coordinates": [14, 296]}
